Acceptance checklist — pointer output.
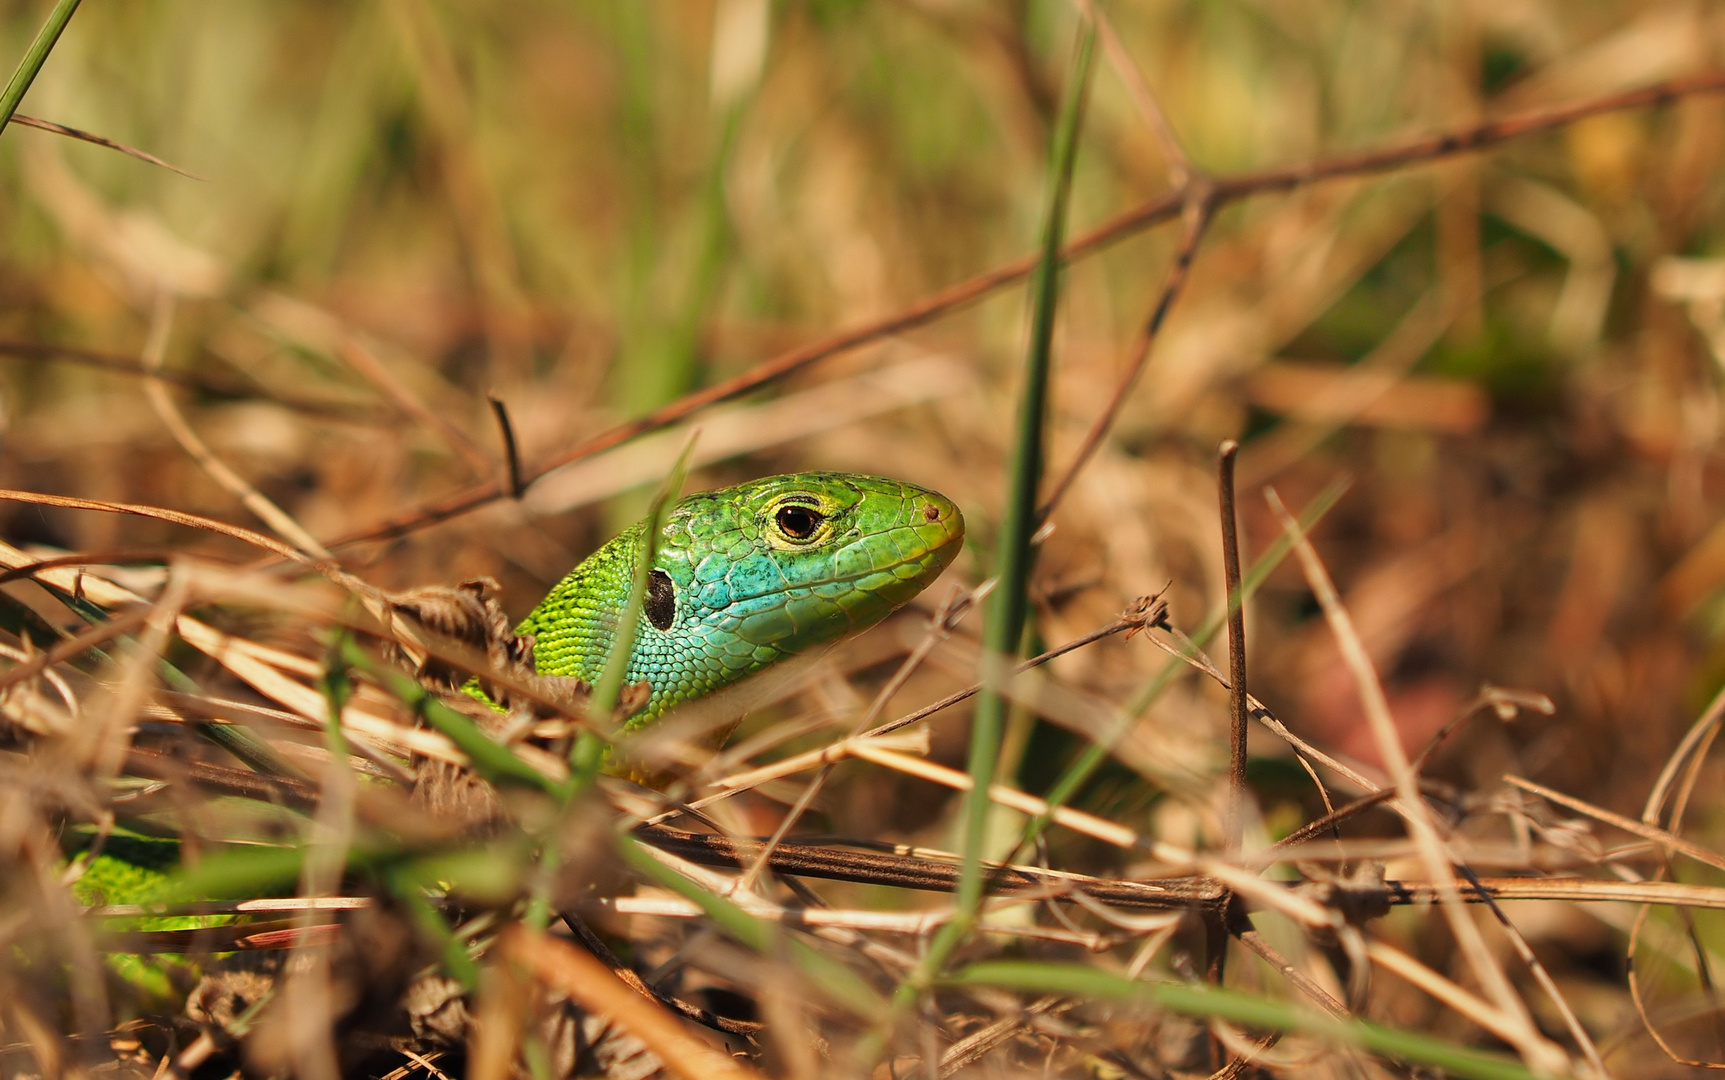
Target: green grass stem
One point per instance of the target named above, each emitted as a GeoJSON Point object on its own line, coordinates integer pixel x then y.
{"type": "Point", "coordinates": [491, 760]}
{"type": "Point", "coordinates": [834, 980]}
{"type": "Point", "coordinates": [37, 55]}
{"type": "Point", "coordinates": [1097, 752]}
{"type": "Point", "coordinates": [1007, 609]}
{"type": "Point", "coordinates": [610, 685]}
{"type": "Point", "coordinates": [1073, 980]}
{"type": "Point", "coordinates": [1003, 632]}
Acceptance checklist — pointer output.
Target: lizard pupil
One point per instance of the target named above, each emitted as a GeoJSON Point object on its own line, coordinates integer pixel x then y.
{"type": "Point", "coordinates": [798, 522]}
{"type": "Point", "coordinates": [661, 603]}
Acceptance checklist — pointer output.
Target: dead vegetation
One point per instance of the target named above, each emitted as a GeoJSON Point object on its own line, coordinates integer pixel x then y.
{"type": "Point", "coordinates": [457, 287]}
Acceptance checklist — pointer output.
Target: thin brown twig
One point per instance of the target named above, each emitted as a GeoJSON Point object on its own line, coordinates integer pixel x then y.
{"type": "Point", "coordinates": [1518, 1026]}
{"type": "Point", "coordinates": [1224, 190]}
{"type": "Point", "coordinates": [889, 866]}
{"type": "Point", "coordinates": [920, 872]}
{"type": "Point", "coordinates": [1197, 213]}
{"type": "Point", "coordinates": [1692, 739]}
{"type": "Point", "coordinates": [1246, 1055]}
{"type": "Point", "coordinates": [216, 388]}
{"type": "Point", "coordinates": [597, 946]}
{"type": "Point", "coordinates": [74, 646]}
{"type": "Point", "coordinates": [1540, 975]}
{"type": "Point", "coordinates": [1188, 652]}
{"type": "Point", "coordinates": [1299, 979]}
{"type": "Point", "coordinates": [1217, 922]}
{"type": "Point", "coordinates": [1146, 611]}
{"type": "Point", "coordinates": [511, 452]}
{"type": "Point", "coordinates": [400, 1072]}
{"type": "Point", "coordinates": [1630, 825]}
{"type": "Point", "coordinates": [1237, 706]}
{"type": "Point", "coordinates": [979, 1044]}
{"type": "Point", "coordinates": [1359, 806]}
{"type": "Point", "coordinates": [368, 366]}
{"type": "Point", "coordinates": [100, 140]}
{"type": "Point", "coordinates": [242, 783]}
{"type": "Point", "coordinates": [1633, 979]}
{"type": "Point", "coordinates": [585, 980]}
{"type": "Point", "coordinates": [1181, 171]}
{"type": "Point", "coordinates": [155, 349]}
{"type": "Point", "coordinates": [1335, 817]}
{"type": "Point", "coordinates": [1343, 813]}
{"type": "Point", "coordinates": [1679, 804]}
{"type": "Point", "coordinates": [1680, 771]}
{"type": "Point", "coordinates": [426, 1062]}
{"type": "Point", "coordinates": [941, 625]}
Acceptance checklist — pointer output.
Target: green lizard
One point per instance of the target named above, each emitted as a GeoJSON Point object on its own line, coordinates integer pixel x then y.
{"type": "Point", "coordinates": [746, 576]}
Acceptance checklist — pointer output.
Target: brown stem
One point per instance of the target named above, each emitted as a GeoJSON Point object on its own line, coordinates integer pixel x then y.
{"type": "Point", "coordinates": [596, 945]}
{"type": "Point", "coordinates": [1237, 699]}
{"type": "Point", "coordinates": [1197, 216]}
{"type": "Point", "coordinates": [511, 453]}
{"type": "Point", "coordinates": [1162, 208]}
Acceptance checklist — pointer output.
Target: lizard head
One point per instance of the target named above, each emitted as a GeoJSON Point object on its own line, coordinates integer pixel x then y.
{"type": "Point", "coordinates": [771, 567]}
{"type": "Point", "coordinates": [746, 576]}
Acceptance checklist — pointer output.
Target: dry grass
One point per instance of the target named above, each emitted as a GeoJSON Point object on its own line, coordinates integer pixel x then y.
{"type": "Point", "coordinates": [794, 227]}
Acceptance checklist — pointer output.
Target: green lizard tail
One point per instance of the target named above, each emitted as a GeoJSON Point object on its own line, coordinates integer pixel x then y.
{"type": "Point", "coordinates": [746, 576]}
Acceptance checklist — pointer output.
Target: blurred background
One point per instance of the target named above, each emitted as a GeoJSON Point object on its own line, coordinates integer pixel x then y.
{"type": "Point", "coordinates": [588, 210]}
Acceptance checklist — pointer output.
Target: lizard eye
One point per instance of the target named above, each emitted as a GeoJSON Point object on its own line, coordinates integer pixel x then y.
{"type": "Point", "coordinates": [798, 522]}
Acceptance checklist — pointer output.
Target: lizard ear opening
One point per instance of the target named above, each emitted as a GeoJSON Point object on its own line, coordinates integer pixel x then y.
{"type": "Point", "coordinates": [661, 602]}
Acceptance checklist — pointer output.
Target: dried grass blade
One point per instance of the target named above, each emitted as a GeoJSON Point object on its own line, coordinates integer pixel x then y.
{"type": "Point", "coordinates": [999, 794]}
{"type": "Point", "coordinates": [1629, 825]}
{"type": "Point", "coordinates": [155, 350]}
{"type": "Point", "coordinates": [100, 140]}
{"type": "Point", "coordinates": [176, 517]}
{"type": "Point", "coordinates": [580, 976]}
{"type": "Point", "coordinates": [835, 981]}
{"type": "Point", "coordinates": [1539, 1052]}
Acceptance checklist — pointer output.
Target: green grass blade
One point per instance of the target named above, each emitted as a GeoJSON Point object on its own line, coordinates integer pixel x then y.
{"type": "Point", "coordinates": [492, 760]}
{"type": "Point", "coordinates": [839, 983]}
{"type": "Point", "coordinates": [1073, 980]}
{"type": "Point", "coordinates": [682, 350]}
{"type": "Point", "coordinates": [236, 739]}
{"type": "Point", "coordinates": [672, 285]}
{"type": "Point", "coordinates": [242, 871]}
{"type": "Point", "coordinates": [409, 889]}
{"type": "Point", "coordinates": [1009, 604]}
{"type": "Point", "coordinates": [1097, 752]}
{"type": "Point", "coordinates": [1007, 608]}
{"type": "Point", "coordinates": [587, 754]}
{"type": "Point", "coordinates": [337, 687]}
{"type": "Point", "coordinates": [610, 685]}
{"type": "Point", "coordinates": [31, 66]}
{"type": "Point", "coordinates": [1250, 582]}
